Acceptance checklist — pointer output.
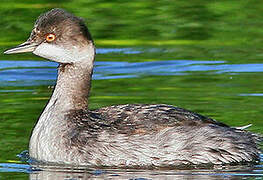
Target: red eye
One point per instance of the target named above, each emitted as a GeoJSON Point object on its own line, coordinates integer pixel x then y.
{"type": "Point", "coordinates": [50, 37]}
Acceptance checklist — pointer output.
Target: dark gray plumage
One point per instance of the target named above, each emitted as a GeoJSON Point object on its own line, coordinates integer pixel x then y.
{"type": "Point", "coordinates": [124, 135]}
{"type": "Point", "coordinates": [156, 136]}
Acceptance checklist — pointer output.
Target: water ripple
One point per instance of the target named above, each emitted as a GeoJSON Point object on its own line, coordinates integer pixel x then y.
{"type": "Point", "coordinates": [27, 73]}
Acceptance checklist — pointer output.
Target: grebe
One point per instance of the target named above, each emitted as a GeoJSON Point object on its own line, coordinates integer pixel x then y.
{"type": "Point", "coordinates": [132, 135]}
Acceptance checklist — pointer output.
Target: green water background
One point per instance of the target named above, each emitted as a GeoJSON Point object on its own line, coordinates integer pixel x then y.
{"type": "Point", "coordinates": [193, 30]}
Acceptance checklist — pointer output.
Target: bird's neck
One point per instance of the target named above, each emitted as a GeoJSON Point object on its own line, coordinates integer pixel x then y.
{"type": "Point", "coordinates": [73, 84]}
{"type": "Point", "coordinates": [70, 93]}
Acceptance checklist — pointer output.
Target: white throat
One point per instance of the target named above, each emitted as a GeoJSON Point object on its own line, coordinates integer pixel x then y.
{"type": "Point", "coordinates": [63, 55]}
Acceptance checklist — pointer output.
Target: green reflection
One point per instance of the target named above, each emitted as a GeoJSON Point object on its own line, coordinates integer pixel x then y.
{"type": "Point", "coordinates": [193, 30]}
{"type": "Point", "coordinates": [227, 30]}
{"type": "Point", "coordinates": [217, 96]}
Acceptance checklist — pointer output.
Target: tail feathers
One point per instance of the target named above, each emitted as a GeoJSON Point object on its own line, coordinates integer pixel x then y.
{"type": "Point", "coordinates": [257, 137]}
{"type": "Point", "coordinates": [244, 127]}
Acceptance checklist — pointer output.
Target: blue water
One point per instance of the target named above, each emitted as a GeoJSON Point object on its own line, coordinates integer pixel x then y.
{"type": "Point", "coordinates": [13, 167]}
{"type": "Point", "coordinates": [35, 73]}
{"type": "Point", "coordinates": [29, 73]}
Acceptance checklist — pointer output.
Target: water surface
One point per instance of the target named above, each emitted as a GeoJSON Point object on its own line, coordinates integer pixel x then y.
{"type": "Point", "coordinates": [219, 89]}
{"type": "Point", "coordinates": [202, 56]}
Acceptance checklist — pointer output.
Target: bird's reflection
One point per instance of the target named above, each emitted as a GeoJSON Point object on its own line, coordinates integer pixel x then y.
{"type": "Point", "coordinates": [56, 173]}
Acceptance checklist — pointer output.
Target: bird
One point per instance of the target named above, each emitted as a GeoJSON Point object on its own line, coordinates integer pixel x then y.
{"type": "Point", "coordinates": [123, 136]}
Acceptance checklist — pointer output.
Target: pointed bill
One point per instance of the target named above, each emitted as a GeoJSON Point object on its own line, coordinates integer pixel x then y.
{"type": "Point", "coordinates": [22, 48]}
